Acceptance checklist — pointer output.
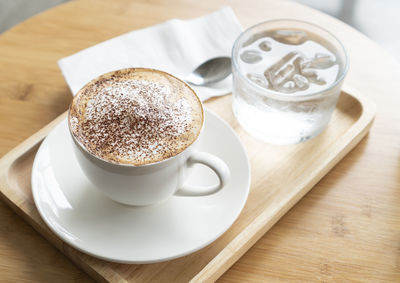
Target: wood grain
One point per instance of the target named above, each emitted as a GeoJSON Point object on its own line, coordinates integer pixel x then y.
{"type": "Point", "coordinates": [276, 186]}
{"type": "Point", "coordinates": [346, 229]}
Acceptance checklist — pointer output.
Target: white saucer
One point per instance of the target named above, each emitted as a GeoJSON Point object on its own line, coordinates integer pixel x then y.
{"type": "Point", "coordinates": [94, 224]}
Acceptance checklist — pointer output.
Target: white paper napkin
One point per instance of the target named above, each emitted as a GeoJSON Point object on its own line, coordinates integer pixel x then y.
{"type": "Point", "coordinates": [175, 46]}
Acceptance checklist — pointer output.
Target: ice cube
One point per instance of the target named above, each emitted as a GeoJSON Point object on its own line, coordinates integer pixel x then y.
{"type": "Point", "coordinates": [273, 73]}
{"type": "Point", "coordinates": [292, 37]}
{"type": "Point", "coordinates": [251, 56]}
{"type": "Point", "coordinates": [313, 77]}
{"type": "Point", "coordinates": [298, 63]}
{"type": "Point", "coordinates": [258, 79]}
{"type": "Point", "coordinates": [289, 84]}
{"type": "Point", "coordinates": [320, 61]}
{"type": "Point", "coordinates": [304, 107]}
{"type": "Point", "coordinates": [283, 75]}
{"type": "Point", "coordinates": [288, 87]}
{"type": "Point", "coordinates": [301, 82]}
{"type": "Point", "coordinates": [265, 45]}
{"type": "Point", "coordinates": [305, 63]}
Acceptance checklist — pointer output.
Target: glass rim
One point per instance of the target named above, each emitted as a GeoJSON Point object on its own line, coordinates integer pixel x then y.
{"type": "Point", "coordinates": [280, 95]}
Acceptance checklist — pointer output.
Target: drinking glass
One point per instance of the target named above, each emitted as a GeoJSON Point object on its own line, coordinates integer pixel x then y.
{"type": "Point", "coordinates": [278, 117]}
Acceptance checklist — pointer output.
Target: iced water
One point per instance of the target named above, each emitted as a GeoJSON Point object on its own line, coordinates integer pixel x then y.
{"type": "Point", "coordinates": [292, 37]}
{"type": "Point", "coordinates": [258, 79]}
{"type": "Point", "coordinates": [251, 56]}
{"type": "Point", "coordinates": [265, 45]}
{"type": "Point", "coordinates": [291, 61]}
{"type": "Point", "coordinates": [281, 122]}
{"type": "Point", "coordinates": [282, 68]}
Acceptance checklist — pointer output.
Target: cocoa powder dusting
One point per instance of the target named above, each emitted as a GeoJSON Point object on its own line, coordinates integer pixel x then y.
{"type": "Point", "coordinates": [136, 120]}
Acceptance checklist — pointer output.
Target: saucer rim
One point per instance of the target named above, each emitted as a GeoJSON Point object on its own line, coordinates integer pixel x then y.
{"type": "Point", "coordinates": [101, 256]}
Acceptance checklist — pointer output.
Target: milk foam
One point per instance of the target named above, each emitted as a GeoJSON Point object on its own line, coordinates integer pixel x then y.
{"type": "Point", "coordinates": [136, 116]}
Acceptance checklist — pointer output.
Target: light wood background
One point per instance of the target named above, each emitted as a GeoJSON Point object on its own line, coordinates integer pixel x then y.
{"type": "Point", "coordinates": [346, 229]}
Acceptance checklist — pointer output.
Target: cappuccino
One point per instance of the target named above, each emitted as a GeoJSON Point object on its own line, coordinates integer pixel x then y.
{"type": "Point", "coordinates": [136, 116]}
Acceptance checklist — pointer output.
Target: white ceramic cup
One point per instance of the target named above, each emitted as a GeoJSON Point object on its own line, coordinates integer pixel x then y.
{"type": "Point", "coordinates": [151, 183]}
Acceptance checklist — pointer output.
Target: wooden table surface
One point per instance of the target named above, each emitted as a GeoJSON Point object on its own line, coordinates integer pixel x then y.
{"type": "Point", "coordinates": [346, 229]}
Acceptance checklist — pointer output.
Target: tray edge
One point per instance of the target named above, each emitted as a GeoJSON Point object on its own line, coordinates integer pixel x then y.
{"type": "Point", "coordinates": [245, 239]}
{"type": "Point", "coordinates": [262, 223]}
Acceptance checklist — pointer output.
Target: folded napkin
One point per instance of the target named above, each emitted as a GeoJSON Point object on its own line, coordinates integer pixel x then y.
{"type": "Point", "coordinates": [175, 46]}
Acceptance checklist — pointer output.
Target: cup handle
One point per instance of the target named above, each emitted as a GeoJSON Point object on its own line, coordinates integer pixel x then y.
{"type": "Point", "coordinates": [217, 165]}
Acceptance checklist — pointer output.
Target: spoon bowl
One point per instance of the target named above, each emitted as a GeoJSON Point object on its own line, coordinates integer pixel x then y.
{"type": "Point", "coordinates": [210, 72]}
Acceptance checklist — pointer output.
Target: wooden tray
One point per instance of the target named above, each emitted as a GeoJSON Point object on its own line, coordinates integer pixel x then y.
{"type": "Point", "coordinates": [281, 176]}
